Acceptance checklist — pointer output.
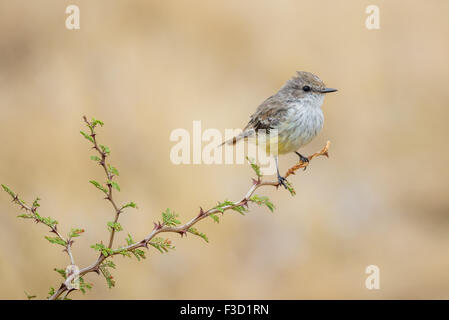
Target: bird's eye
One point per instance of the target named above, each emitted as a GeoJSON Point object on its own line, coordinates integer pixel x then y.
{"type": "Point", "coordinates": [306, 88]}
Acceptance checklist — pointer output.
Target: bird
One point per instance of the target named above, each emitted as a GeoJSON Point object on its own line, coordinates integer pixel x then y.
{"type": "Point", "coordinates": [294, 112]}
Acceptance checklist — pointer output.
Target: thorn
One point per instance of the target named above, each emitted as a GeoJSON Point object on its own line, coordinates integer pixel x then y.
{"type": "Point", "coordinates": [201, 212]}
{"type": "Point", "coordinates": [157, 225]}
{"type": "Point", "coordinates": [144, 243]}
{"type": "Point", "coordinates": [182, 233]}
{"type": "Point", "coordinates": [255, 182]}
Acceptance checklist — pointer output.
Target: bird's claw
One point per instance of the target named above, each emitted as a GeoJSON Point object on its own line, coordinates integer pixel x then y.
{"type": "Point", "coordinates": [281, 181]}
{"type": "Point", "coordinates": [304, 160]}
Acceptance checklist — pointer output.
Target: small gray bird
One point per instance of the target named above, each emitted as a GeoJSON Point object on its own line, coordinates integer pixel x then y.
{"type": "Point", "coordinates": [294, 111]}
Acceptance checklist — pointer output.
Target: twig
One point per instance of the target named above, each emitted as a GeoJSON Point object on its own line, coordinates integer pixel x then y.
{"type": "Point", "coordinates": [301, 164]}
{"type": "Point", "coordinates": [33, 214]}
{"type": "Point", "coordinates": [109, 177]}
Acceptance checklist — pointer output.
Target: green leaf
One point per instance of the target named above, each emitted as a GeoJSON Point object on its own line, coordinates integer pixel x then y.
{"type": "Point", "coordinates": [254, 166]}
{"type": "Point", "coordinates": [105, 149]}
{"type": "Point", "coordinates": [114, 226]}
{"type": "Point", "coordinates": [139, 254]}
{"type": "Point", "coordinates": [85, 135]}
{"type": "Point", "coordinates": [95, 158]}
{"type": "Point", "coordinates": [123, 252]}
{"type": "Point", "coordinates": [221, 205]}
{"type": "Point", "coordinates": [114, 184]}
{"type": "Point", "coordinates": [262, 201]}
{"type": "Point", "coordinates": [26, 216]}
{"type": "Point", "coordinates": [9, 191]}
{"type": "Point", "coordinates": [113, 170]}
{"type": "Point", "coordinates": [13, 195]}
{"type": "Point", "coordinates": [169, 218]}
{"type": "Point", "coordinates": [130, 205]}
{"type": "Point", "coordinates": [94, 122]}
{"type": "Point", "coordinates": [163, 245]}
{"type": "Point", "coordinates": [51, 292]}
{"type": "Point", "coordinates": [240, 209]}
{"type": "Point", "coordinates": [47, 221]}
{"type": "Point", "coordinates": [75, 233]}
{"type": "Point", "coordinates": [56, 240]}
{"type": "Point", "coordinates": [290, 188]}
{"type": "Point", "coordinates": [105, 251]}
{"type": "Point", "coordinates": [61, 272]}
{"type": "Point", "coordinates": [129, 240]}
{"type": "Point", "coordinates": [36, 203]}
{"type": "Point", "coordinates": [99, 186]}
{"type": "Point", "coordinates": [215, 218]}
{"type": "Point", "coordinates": [84, 285]}
{"type": "Point", "coordinates": [197, 233]}
{"type": "Point", "coordinates": [107, 275]}
{"type": "Point", "coordinates": [109, 264]}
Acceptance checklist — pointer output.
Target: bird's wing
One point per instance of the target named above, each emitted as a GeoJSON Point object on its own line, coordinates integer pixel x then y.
{"type": "Point", "coordinates": [268, 115]}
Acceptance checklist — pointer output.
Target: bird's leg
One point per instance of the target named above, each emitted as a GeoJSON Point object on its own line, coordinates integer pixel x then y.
{"type": "Point", "coordinates": [303, 159]}
{"type": "Point", "coordinates": [281, 179]}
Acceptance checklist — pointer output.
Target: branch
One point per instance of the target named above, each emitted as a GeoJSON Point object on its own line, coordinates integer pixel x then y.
{"type": "Point", "coordinates": [170, 223]}
{"type": "Point", "coordinates": [240, 206]}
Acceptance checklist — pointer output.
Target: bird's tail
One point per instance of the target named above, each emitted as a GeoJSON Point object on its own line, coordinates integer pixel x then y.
{"type": "Point", "coordinates": [243, 135]}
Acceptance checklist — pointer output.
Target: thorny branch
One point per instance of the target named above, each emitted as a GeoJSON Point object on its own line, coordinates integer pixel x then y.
{"type": "Point", "coordinates": [182, 230]}
{"type": "Point", "coordinates": [158, 228]}
{"type": "Point", "coordinates": [33, 214]}
{"type": "Point", "coordinates": [103, 153]}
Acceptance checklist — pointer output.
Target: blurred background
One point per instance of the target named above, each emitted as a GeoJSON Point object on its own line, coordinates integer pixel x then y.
{"type": "Point", "coordinates": [148, 67]}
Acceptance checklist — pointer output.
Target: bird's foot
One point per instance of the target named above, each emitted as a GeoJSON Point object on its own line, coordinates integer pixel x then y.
{"type": "Point", "coordinates": [282, 181]}
{"type": "Point", "coordinates": [303, 159]}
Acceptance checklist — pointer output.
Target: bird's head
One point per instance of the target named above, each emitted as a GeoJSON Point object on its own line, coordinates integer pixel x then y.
{"type": "Point", "coordinates": [306, 84]}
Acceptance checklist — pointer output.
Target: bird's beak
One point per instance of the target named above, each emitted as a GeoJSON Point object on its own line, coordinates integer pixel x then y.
{"type": "Point", "coordinates": [327, 90]}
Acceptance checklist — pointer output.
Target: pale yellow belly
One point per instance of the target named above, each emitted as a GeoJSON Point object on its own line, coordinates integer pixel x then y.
{"type": "Point", "coordinates": [292, 134]}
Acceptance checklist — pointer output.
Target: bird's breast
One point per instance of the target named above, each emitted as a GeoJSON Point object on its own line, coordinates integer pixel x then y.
{"type": "Point", "coordinates": [302, 124]}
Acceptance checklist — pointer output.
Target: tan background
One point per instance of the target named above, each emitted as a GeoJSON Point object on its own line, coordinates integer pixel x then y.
{"type": "Point", "coordinates": [148, 67]}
